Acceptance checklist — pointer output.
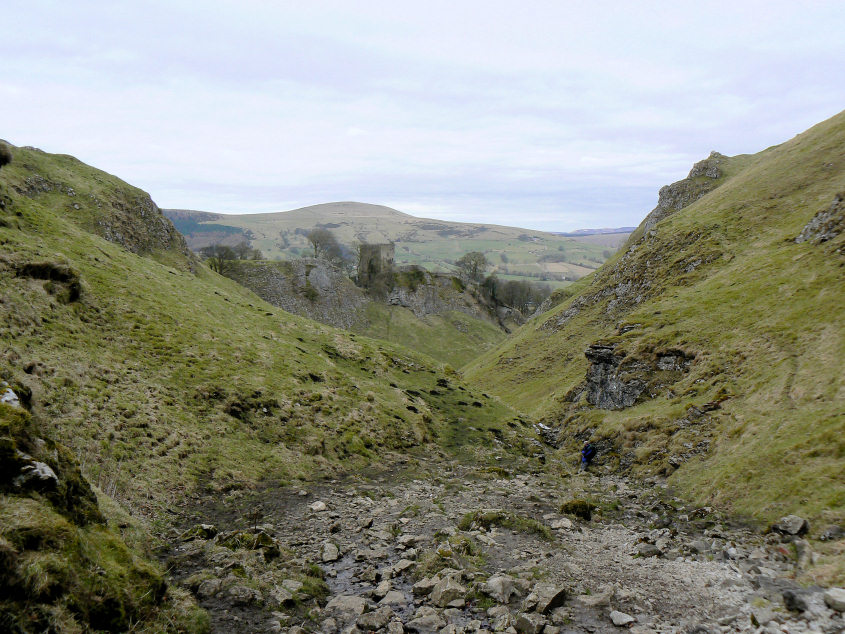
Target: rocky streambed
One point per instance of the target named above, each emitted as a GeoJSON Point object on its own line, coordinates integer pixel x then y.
{"type": "Point", "coordinates": [448, 548]}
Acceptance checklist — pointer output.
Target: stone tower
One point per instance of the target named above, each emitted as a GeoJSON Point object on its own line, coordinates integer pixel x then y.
{"type": "Point", "coordinates": [374, 259]}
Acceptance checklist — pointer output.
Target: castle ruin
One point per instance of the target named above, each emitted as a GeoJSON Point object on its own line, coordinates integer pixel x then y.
{"type": "Point", "coordinates": [373, 261]}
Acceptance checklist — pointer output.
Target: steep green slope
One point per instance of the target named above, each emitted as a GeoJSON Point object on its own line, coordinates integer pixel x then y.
{"type": "Point", "coordinates": [714, 341]}
{"type": "Point", "coordinates": [163, 380]}
{"type": "Point", "coordinates": [432, 244]}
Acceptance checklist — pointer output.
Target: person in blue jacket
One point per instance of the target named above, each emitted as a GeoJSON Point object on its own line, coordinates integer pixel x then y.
{"type": "Point", "coordinates": [588, 452]}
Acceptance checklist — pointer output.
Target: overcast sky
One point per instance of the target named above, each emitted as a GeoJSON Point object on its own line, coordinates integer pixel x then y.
{"type": "Point", "coordinates": [553, 115]}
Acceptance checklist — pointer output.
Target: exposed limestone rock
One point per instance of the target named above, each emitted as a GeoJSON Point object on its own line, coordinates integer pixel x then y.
{"type": "Point", "coordinates": [530, 624]}
{"type": "Point", "coordinates": [607, 387]}
{"type": "Point", "coordinates": [791, 525]}
{"type": "Point", "coordinates": [825, 225]}
{"type": "Point", "coordinates": [702, 179]}
{"type": "Point", "coordinates": [835, 599]}
{"type": "Point", "coordinates": [500, 587]}
{"type": "Point", "coordinates": [447, 590]}
{"type": "Point", "coordinates": [620, 619]}
{"type": "Point", "coordinates": [616, 381]}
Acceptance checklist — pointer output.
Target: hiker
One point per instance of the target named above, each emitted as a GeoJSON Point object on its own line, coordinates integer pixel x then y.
{"type": "Point", "coordinates": [588, 452]}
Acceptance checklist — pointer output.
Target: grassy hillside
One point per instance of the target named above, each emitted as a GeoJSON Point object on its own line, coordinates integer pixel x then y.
{"type": "Point", "coordinates": [728, 333]}
{"type": "Point", "coordinates": [433, 244]}
{"type": "Point", "coordinates": [453, 337]}
{"type": "Point", "coordinates": [163, 379]}
{"type": "Point", "coordinates": [160, 378]}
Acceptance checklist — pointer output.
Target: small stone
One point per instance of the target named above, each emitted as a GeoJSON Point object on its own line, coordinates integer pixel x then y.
{"type": "Point", "coordinates": [346, 607]}
{"type": "Point", "coordinates": [699, 546]}
{"type": "Point", "coordinates": [791, 525]}
{"type": "Point", "coordinates": [500, 587]}
{"type": "Point", "coordinates": [292, 585]}
{"type": "Point", "coordinates": [794, 601]}
{"type": "Point", "coordinates": [401, 566]}
{"type": "Point", "coordinates": [395, 627]}
{"type": "Point", "coordinates": [330, 552]}
{"type": "Point", "coordinates": [447, 590]}
{"type": "Point", "coordinates": [530, 623]}
{"type": "Point", "coordinates": [549, 597]}
{"type": "Point", "coordinates": [209, 588]}
{"type": "Point", "coordinates": [382, 589]}
{"type": "Point", "coordinates": [561, 524]}
{"type": "Point", "coordinates": [424, 586]}
{"type": "Point", "coordinates": [8, 396]}
{"type": "Point", "coordinates": [302, 493]}
{"type": "Point", "coordinates": [243, 595]}
{"type": "Point", "coordinates": [377, 619]}
{"type": "Point", "coordinates": [318, 506]}
{"type": "Point", "coordinates": [393, 597]}
{"type": "Point", "coordinates": [648, 550]}
{"type": "Point", "coordinates": [835, 599]}
{"type": "Point", "coordinates": [409, 540]}
{"type": "Point", "coordinates": [281, 595]}
{"type": "Point", "coordinates": [37, 475]}
{"type": "Point", "coordinates": [426, 619]}
{"type": "Point", "coordinates": [620, 619]}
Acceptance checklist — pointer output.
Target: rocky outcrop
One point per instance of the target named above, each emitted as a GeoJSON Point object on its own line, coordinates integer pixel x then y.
{"type": "Point", "coordinates": [616, 380]}
{"type": "Point", "coordinates": [316, 289]}
{"type": "Point", "coordinates": [825, 225]}
{"type": "Point", "coordinates": [703, 178]}
{"type": "Point", "coordinates": [309, 287]}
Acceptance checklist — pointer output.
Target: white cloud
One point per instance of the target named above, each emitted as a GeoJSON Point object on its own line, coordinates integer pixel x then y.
{"type": "Point", "coordinates": [544, 114]}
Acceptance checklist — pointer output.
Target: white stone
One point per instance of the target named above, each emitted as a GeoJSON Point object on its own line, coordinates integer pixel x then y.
{"type": "Point", "coordinates": [620, 619]}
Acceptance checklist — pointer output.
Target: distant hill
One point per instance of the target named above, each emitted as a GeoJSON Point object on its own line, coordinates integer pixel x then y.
{"type": "Point", "coordinates": [710, 347]}
{"type": "Point", "coordinates": [592, 232]}
{"type": "Point", "coordinates": [433, 244]}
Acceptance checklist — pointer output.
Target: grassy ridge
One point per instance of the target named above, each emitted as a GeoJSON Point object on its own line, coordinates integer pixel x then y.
{"type": "Point", "coordinates": [162, 380]}
{"type": "Point", "coordinates": [722, 280]}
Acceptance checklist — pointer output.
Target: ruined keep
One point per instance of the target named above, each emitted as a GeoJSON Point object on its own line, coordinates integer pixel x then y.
{"type": "Point", "coordinates": [374, 260]}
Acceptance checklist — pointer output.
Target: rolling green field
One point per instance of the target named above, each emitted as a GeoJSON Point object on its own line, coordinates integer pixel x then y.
{"type": "Point", "coordinates": [432, 244]}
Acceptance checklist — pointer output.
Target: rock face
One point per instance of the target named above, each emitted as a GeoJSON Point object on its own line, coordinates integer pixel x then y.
{"type": "Point", "coordinates": [702, 179]}
{"type": "Point", "coordinates": [616, 381]}
{"type": "Point", "coordinates": [309, 287]}
{"type": "Point", "coordinates": [318, 290]}
{"type": "Point", "coordinates": [607, 387]}
{"type": "Point", "coordinates": [825, 225]}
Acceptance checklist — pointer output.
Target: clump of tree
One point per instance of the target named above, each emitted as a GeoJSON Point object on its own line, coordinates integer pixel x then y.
{"type": "Point", "coordinates": [244, 252]}
{"type": "Point", "coordinates": [5, 155]}
{"type": "Point", "coordinates": [328, 248]}
{"type": "Point", "coordinates": [221, 258]}
{"type": "Point", "coordinates": [521, 295]}
{"type": "Point", "coordinates": [473, 265]}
